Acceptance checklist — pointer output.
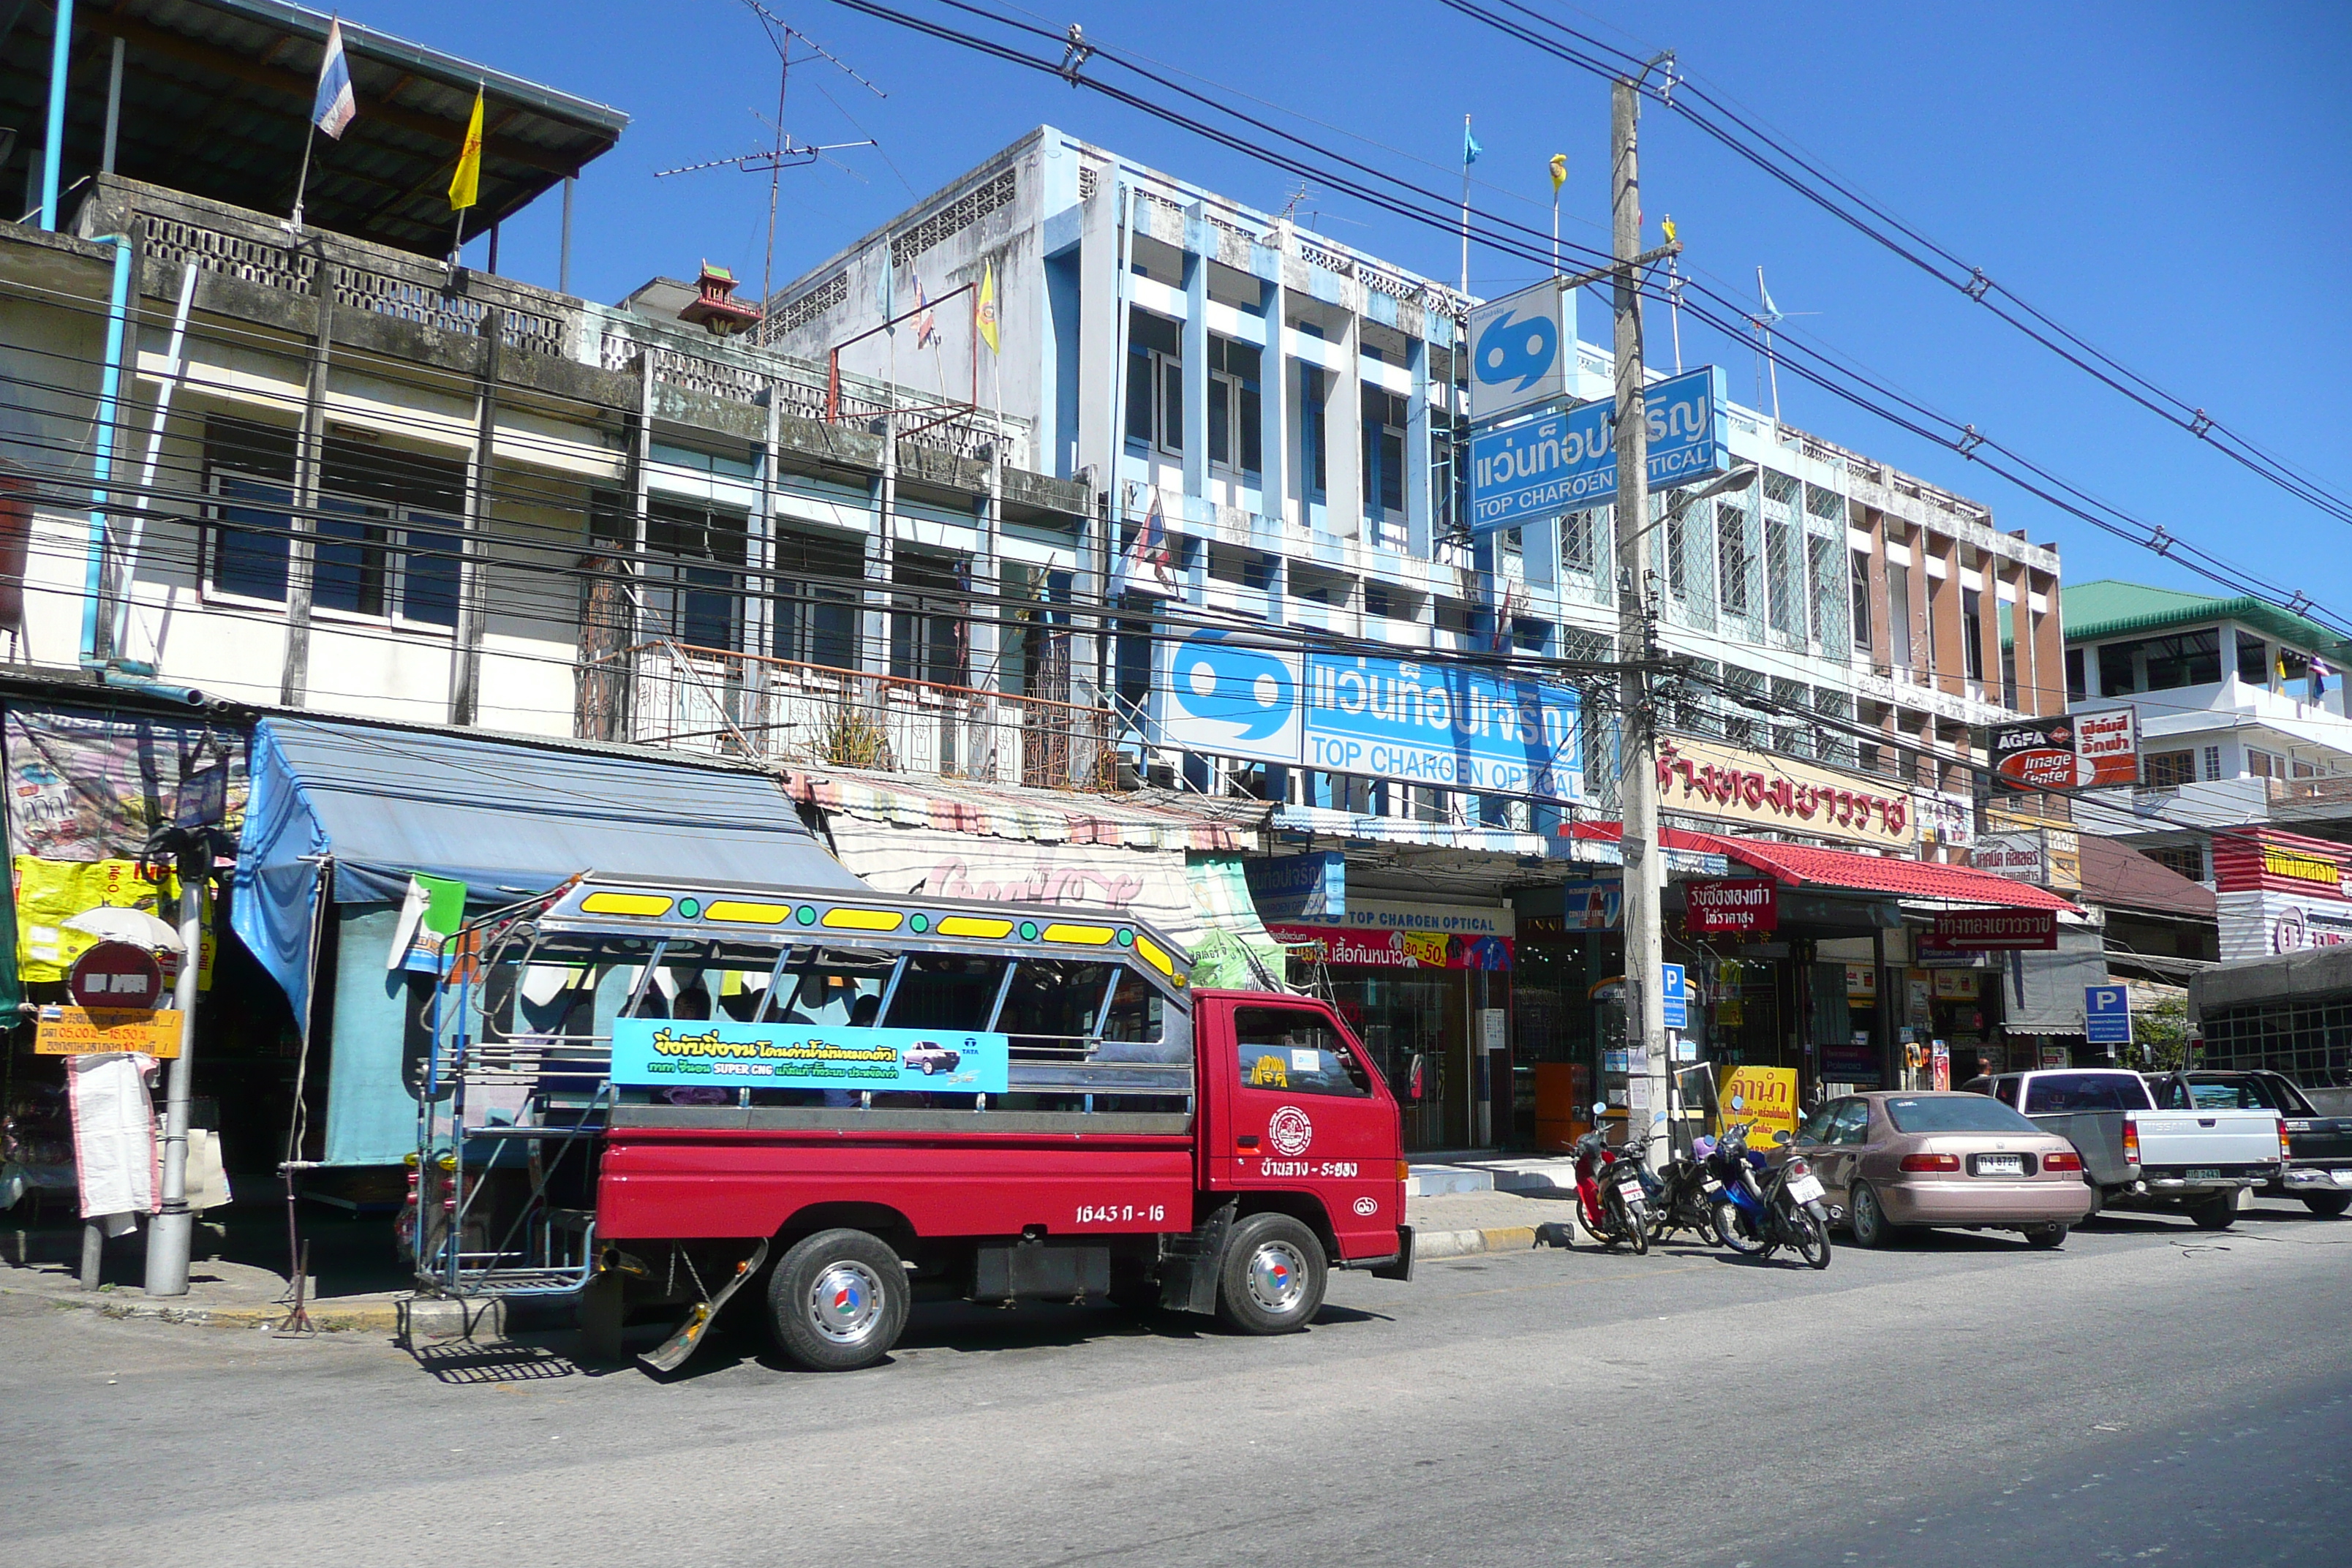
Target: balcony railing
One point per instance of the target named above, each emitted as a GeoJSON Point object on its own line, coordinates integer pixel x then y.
{"type": "Point", "coordinates": [784, 711]}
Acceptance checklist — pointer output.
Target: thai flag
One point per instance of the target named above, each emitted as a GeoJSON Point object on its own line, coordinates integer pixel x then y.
{"type": "Point", "coordinates": [335, 106]}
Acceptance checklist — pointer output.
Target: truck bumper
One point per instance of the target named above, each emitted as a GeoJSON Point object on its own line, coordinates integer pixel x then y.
{"type": "Point", "coordinates": [2300, 1179]}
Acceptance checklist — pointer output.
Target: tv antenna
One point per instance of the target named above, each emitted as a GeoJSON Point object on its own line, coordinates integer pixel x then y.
{"type": "Point", "coordinates": [782, 152]}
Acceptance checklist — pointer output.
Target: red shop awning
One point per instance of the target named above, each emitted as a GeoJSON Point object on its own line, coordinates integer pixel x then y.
{"type": "Point", "coordinates": [1799, 866]}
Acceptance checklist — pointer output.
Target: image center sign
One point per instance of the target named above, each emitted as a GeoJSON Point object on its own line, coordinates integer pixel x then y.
{"type": "Point", "coordinates": [1441, 725]}
{"type": "Point", "coordinates": [1564, 462]}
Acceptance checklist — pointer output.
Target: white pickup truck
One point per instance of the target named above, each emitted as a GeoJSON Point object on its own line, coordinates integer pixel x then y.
{"type": "Point", "coordinates": [2140, 1157]}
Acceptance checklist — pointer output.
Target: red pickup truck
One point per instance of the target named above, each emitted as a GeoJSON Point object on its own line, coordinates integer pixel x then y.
{"type": "Point", "coordinates": [761, 1073]}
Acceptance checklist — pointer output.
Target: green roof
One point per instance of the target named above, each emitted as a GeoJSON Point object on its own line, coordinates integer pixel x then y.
{"type": "Point", "coordinates": [2091, 612]}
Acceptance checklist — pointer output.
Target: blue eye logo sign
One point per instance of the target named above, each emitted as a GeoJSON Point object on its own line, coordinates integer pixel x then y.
{"type": "Point", "coordinates": [1521, 348]}
{"type": "Point", "coordinates": [1516, 346]}
{"type": "Point", "coordinates": [1221, 682]}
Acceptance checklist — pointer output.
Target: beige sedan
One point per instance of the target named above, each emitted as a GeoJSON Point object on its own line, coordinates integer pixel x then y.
{"type": "Point", "coordinates": [1893, 1161]}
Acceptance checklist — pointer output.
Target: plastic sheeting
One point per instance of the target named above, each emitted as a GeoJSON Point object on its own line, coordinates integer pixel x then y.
{"type": "Point", "coordinates": [506, 818]}
{"type": "Point", "coordinates": [2041, 992]}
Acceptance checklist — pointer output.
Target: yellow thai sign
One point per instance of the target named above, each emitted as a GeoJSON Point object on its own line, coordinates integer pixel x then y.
{"type": "Point", "coordinates": [1766, 1097]}
{"type": "Point", "coordinates": [87, 1031]}
{"type": "Point", "coordinates": [1704, 778]}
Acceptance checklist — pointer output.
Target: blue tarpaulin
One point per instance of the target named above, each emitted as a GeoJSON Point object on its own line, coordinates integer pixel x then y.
{"type": "Point", "coordinates": [506, 818]}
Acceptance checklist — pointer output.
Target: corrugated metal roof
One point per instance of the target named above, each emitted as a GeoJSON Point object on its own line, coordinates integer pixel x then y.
{"type": "Point", "coordinates": [2090, 612]}
{"type": "Point", "coordinates": [216, 101]}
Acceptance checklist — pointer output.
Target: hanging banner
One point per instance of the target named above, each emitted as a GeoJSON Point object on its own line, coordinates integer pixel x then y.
{"type": "Point", "coordinates": [1393, 949]}
{"type": "Point", "coordinates": [1738, 904]}
{"type": "Point", "coordinates": [87, 787]}
{"type": "Point", "coordinates": [1298, 887]}
{"type": "Point", "coordinates": [2065, 751]}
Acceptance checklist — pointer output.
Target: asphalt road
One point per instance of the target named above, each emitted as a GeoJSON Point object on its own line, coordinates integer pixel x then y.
{"type": "Point", "coordinates": [2150, 1395]}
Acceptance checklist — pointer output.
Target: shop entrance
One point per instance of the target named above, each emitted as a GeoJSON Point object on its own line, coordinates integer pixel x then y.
{"type": "Point", "coordinates": [1399, 1017]}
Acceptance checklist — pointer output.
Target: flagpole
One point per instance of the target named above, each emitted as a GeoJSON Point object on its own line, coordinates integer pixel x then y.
{"type": "Point", "coordinates": [302, 181]}
{"type": "Point", "coordinates": [1466, 206]}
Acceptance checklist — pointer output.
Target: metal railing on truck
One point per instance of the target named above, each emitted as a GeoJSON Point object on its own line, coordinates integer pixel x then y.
{"type": "Point", "coordinates": [517, 1086]}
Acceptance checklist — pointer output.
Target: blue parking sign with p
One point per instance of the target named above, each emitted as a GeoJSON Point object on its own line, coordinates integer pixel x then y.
{"type": "Point", "coordinates": [1674, 993]}
{"type": "Point", "coordinates": [2107, 1016]}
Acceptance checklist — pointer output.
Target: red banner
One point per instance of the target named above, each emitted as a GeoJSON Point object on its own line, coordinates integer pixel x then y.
{"type": "Point", "coordinates": [1993, 931]}
{"type": "Point", "coordinates": [1732, 904]}
{"type": "Point", "coordinates": [1394, 948]}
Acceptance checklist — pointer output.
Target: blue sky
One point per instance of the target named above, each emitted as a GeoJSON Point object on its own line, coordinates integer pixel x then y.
{"type": "Point", "coordinates": [2170, 181]}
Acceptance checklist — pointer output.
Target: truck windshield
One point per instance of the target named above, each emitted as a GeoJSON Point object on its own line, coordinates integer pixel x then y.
{"type": "Point", "coordinates": [1955, 1114]}
{"type": "Point", "coordinates": [2061, 1093]}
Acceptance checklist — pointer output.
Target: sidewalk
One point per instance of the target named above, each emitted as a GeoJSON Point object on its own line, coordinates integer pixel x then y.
{"type": "Point", "coordinates": [1461, 1225]}
{"type": "Point", "coordinates": [221, 1294]}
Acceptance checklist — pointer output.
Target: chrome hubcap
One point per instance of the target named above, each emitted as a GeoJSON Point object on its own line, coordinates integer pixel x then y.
{"type": "Point", "coordinates": [1278, 1277]}
{"type": "Point", "coordinates": [846, 1303]}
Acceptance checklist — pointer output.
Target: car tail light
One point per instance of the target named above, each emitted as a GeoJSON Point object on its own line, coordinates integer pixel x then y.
{"type": "Point", "coordinates": [2131, 1143]}
{"type": "Point", "coordinates": [1931, 1161]}
{"type": "Point", "coordinates": [2286, 1150]}
{"type": "Point", "coordinates": [2069, 1160]}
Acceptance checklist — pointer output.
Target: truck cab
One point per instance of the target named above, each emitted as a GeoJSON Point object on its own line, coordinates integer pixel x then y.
{"type": "Point", "coordinates": [656, 1096]}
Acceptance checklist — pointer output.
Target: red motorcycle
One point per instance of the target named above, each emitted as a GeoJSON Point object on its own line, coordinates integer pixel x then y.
{"type": "Point", "coordinates": [1609, 1193]}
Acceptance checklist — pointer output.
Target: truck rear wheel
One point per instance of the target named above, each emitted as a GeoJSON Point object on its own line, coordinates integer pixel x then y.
{"type": "Point", "coordinates": [2215, 1213]}
{"type": "Point", "coordinates": [1273, 1277]}
{"type": "Point", "coordinates": [2327, 1206]}
{"type": "Point", "coordinates": [838, 1301]}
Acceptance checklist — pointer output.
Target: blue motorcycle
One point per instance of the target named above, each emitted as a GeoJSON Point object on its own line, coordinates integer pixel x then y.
{"type": "Point", "coordinates": [1764, 1208]}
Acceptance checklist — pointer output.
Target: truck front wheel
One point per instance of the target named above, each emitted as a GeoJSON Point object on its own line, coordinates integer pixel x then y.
{"type": "Point", "coordinates": [838, 1301]}
{"type": "Point", "coordinates": [1273, 1275]}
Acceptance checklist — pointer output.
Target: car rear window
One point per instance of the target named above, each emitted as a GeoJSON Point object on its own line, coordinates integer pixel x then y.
{"type": "Point", "coordinates": [2060, 1093]}
{"type": "Point", "coordinates": [1955, 1114]}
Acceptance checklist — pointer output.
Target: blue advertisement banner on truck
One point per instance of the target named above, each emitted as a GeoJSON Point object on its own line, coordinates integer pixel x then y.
{"type": "Point", "coordinates": [1567, 462]}
{"type": "Point", "coordinates": [668, 1053]}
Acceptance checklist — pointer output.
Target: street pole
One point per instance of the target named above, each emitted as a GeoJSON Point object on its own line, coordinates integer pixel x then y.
{"type": "Point", "coordinates": [168, 1238]}
{"type": "Point", "coordinates": [1637, 779]}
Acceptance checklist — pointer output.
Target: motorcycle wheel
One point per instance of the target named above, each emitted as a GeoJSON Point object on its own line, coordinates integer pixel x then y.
{"type": "Point", "coordinates": [1623, 1224]}
{"type": "Point", "coordinates": [1732, 1228]}
{"type": "Point", "coordinates": [1811, 1239]}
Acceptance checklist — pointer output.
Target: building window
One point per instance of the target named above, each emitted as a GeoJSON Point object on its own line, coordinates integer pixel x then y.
{"type": "Point", "coordinates": [1313, 444]}
{"type": "Point", "coordinates": [1973, 663]}
{"type": "Point", "coordinates": [2077, 690]}
{"type": "Point", "coordinates": [1898, 615]}
{"type": "Point", "coordinates": [2181, 860]}
{"type": "Point", "coordinates": [2212, 763]}
{"type": "Point", "coordinates": [2264, 764]}
{"type": "Point", "coordinates": [926, 620]}
{"type": "Point", "coordinates": [693, 583]}
{"type": "Point", "coordinates": [816, 617]}
{"type": "Point", "coordinates": [388, 536]}
{"type": "Point", "coordinates": [1859, 590]}
{"type": "Point", "coordinates": [1384, 452]}
{"type": "Point", "coordinates": [1234, 408]}
{"type": "Point", "coordinates": [1155, 383]}
{"type": "Point", "coordinates": [1578, 532]}
{"type": "Point", "coordinates": [2168, 770]}
{"type": "Point", "coordinates": [2254, 660]}
{"type": "Point", "coordinates": [1731, 558]}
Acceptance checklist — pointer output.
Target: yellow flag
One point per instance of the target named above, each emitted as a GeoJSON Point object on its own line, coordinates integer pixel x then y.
{"type": "Point", "coordinates": [988, 308]}
{"type": "Point", "coordinates": [1559, 172]}
{"type": "Point", "coordinates": [1669, 226]}
{"type": "Point", "coordinates": [466, 185]}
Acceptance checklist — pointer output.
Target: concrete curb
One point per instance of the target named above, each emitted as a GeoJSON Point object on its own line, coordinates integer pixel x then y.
{"type": "Point", "coordinates": [328, 1316]}
{"type": "Point", "coordinates": [1432, 1246]}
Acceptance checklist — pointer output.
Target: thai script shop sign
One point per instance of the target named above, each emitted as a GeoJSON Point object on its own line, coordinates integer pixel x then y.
{"type": "Point", "coordinates": [1703, 779]}
{"type": "Point", "coordinates": [1443, 725]}
{"type": "Point", "coordinates": [1568, 461]}
{"type": "Point", "coordinates": [1993, 931]}
{"type": "Point", "coordinates": [669, 1053]}
{"type": "Point", "coordinates": [1732, 904]}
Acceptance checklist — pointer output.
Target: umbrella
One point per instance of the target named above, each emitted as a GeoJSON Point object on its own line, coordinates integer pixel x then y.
{"type": "Point", "coordinates": [136, 927]}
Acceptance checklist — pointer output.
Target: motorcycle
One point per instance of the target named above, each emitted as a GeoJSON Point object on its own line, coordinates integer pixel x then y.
{"type": "Point", "coordinates": [1609, 1192]}
{"type": "Point", "coordinates": [1682, 1195]}
{"type": "Point", "coordinates": [1765, 1207]}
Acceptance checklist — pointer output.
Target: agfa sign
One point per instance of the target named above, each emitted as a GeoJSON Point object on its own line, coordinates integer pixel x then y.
{"type": "Point", "coordinates": [2065, 751]}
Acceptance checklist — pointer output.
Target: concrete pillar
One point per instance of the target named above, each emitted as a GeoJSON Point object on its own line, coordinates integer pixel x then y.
{"type": "Point", "coordinates": [1275, 380]}
{"type": "Point", "coordinates": [1343, 429]}
{"type": "Point", "coordinates": [1418, 515]}
{"type": "Point", "coordinates": [1196, 353]}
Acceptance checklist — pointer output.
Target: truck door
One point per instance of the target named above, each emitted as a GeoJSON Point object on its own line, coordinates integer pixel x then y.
{"type": "Point", "coordinates": [1306, 1114]}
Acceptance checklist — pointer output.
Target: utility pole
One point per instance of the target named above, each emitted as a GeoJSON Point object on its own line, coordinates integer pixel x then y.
{"type": "Point", "coordinates": [1637, 778]}
{"type": "Point", "coordinates": [172, 1232]}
